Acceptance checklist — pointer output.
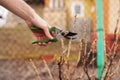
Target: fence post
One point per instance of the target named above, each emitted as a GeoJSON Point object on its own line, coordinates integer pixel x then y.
{"type": "Point", "coordinates": [100, 41]}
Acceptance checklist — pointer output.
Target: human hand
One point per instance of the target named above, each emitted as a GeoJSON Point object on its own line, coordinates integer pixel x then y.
{"type": "Point", "coordinates": [43, 34]}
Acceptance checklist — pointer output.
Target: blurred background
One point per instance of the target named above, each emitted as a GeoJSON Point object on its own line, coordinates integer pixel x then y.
{"type": "Point", "coordinates": [16, 37]}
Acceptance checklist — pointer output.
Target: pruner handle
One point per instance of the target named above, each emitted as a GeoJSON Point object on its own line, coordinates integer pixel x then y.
{"type": "Point", "coordinates": [53, 28]}
{"type": "Point", "coordinates": [44, 41]}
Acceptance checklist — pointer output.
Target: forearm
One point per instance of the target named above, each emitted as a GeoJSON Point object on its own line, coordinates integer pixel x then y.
{"type": "Point", "coordinates": [20, 8]}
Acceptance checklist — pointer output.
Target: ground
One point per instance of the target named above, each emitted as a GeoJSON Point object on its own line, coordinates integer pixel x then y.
{"type": "Point", "coordinates": [16, 50]}
{"type": "Point", "coordinates": [23, 70]}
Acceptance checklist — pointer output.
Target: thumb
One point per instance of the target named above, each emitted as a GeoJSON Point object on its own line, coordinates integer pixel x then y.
{"type": "Point", "coordinates": [47, 33]}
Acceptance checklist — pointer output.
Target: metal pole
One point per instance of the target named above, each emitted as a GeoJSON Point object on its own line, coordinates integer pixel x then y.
{"type": "Point", "coordinates": [100, 41]}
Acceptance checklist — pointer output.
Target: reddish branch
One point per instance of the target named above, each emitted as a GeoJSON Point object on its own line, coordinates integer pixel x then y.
{"type": "Point", "coordinates": [114, 47]}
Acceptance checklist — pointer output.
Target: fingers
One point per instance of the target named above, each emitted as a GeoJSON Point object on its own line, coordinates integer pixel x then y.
{"type": "Point", "coordinates": [42, 44]}
{"type": "Point", "coordinates": [47, 33]}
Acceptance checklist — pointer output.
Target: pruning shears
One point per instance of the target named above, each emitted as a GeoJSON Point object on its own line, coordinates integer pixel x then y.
{"type": "Point", "coordinates": [58, 33]}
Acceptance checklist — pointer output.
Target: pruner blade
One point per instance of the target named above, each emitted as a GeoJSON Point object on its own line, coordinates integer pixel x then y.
{"type": "Point", "coordinates": [66, 34]}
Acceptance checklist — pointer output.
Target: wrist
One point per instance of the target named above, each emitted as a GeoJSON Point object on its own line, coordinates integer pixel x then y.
{"type": "Point", "coordinates": [31, 16]}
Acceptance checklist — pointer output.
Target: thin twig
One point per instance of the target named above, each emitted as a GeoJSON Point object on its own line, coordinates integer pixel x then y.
{"type": "Point", "coordinates": [69, 48]}
{"type": "Point", "coordinates": [49, 72]}
{"type": "Point", "coordinates": [86, 55]}
{"type": "Point", "coordinates": [79, 54]}
{"type": "Point", "coordinates": [114, 47]}
{"type": "Point", "coordinates": [86, 71]}
{"type": "Point", "coordinates": [60, 63]}
{"type": "Point", "coordinates": [35, 68]}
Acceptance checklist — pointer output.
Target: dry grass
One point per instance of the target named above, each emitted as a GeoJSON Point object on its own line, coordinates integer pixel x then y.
{"type": "Point", "coordinates": [16, 43]}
